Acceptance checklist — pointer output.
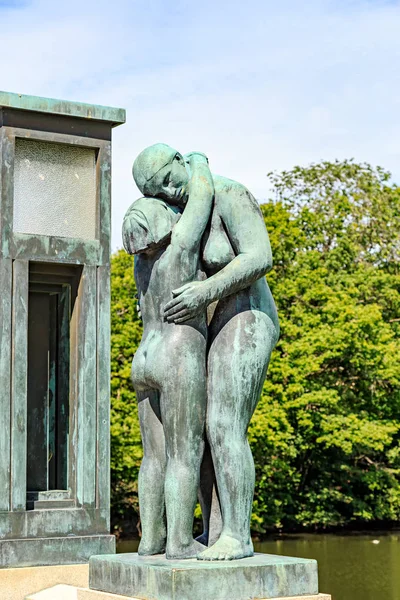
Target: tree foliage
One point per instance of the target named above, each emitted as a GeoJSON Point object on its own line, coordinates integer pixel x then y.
{"type": "Point", "coordinates": [126, 450]}
{"type": "Point", "coordinates": [325, 435]}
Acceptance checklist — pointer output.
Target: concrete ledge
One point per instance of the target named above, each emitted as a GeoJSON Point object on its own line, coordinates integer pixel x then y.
{"type": "Point", "coordinates": [39, 552]}
{"type": "Point", "coordinates": [63, 107]}
{"type": "Point", "coordinates": [155, 577]}
{"type": "Point", "coordinates": [66, 592]}
{"type": "Point", "coordinates": [15, 584]}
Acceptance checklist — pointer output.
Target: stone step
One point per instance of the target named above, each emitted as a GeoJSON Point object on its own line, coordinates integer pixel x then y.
{"type": "Point", "coordinates": [53, 504]}
{"type": "Point", "coordinates": [16, 584]}
{"type": "Point", "coordinates": [69, 592]}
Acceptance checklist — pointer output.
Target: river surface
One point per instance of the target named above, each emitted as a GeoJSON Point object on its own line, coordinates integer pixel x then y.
{"type": "Point", "coordinates": [351, 567]}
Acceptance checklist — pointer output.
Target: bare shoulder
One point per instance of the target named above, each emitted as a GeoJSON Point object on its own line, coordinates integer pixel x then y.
{"type": "Point", "coordinates": [233, 196]}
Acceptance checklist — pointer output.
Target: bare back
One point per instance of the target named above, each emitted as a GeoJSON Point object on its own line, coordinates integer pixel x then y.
{"type": "Point", "coordinates": [156, 276]}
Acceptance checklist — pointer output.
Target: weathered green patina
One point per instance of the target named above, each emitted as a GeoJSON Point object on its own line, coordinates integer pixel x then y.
{"type": "Point", "coordinates": [114, 116]}
{"type": "Point", "coordinates": [172, 404]}
{"type": "Point", "coordinates": [154, 577]}
{"type": "Point", "coordinates": [195, 381]}
{"type": "Point", "coordinates": [60, 512]}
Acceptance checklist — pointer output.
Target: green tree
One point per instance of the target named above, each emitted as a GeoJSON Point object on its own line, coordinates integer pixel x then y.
{"type": "Point", "coordinates": [126, 449]}
{"type": "Point", "coordinates": [325, 436]}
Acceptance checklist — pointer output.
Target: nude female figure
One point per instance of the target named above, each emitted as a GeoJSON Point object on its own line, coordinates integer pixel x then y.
{"type": "Point", "coordinates": [169, 367]}
{"type": "Point", "coordinates": [236, 255]}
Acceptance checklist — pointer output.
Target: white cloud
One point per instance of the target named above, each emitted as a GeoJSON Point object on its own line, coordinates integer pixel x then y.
{"type": "Point", "coordinates": [256, 85]}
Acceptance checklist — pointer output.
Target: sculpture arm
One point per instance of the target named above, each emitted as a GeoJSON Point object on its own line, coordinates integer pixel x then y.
{"type": "Point", "coordinates": [249, 238]}
{"type": "Point", "coordinates": [189, 230]}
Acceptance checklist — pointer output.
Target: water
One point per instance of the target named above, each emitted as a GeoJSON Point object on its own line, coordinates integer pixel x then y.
{"type": "Point", "coordinates": [351, 567]}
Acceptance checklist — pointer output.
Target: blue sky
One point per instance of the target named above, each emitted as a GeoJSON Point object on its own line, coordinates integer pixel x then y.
{"type": "Point", "coordinates": [256, 84]}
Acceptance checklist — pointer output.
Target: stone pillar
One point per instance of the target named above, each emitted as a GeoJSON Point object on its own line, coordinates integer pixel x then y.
{"type": "Point", "coordinates": [55, 195]}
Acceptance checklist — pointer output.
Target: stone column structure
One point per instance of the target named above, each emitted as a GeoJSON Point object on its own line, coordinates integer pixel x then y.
{"type": "Point", "coordinates": [55, 194]}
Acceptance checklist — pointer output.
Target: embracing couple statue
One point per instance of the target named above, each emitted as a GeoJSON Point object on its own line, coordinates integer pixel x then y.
{"type": "Point", "coordinates": [200, 246]}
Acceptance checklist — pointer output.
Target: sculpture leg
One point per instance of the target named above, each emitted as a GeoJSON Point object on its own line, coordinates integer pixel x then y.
{"type": "Point", "coordinates": [152, 475]}
{"type": "Point", "coordinates": [237, 365]}
{"type": "Point", "coordinates": [209, 500]}
{"type": "Point", "coordinates": [183, 402]}
{"type": "Point", "coordinates": [208, 491]}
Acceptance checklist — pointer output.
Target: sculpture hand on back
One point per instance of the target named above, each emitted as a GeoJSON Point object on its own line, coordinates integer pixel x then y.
{"type": "Point", "coordinates": [236, 255]}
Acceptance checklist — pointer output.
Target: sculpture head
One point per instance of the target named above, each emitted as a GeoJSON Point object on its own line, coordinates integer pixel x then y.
{"type": "Point", "coordinates": [160, 171]}
{"type": "Point", "coordinates": [148, 225]}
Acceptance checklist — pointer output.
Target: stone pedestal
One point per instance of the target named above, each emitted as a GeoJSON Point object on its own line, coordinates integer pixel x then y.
{"type": "Point", "coordinates": [68, 592]}
{"type": "Point", "coordinates": [155, 578]}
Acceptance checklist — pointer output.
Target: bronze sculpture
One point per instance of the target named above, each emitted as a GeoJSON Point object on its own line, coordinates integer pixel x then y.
{"type": "Point", "coordinates": [235, 256]}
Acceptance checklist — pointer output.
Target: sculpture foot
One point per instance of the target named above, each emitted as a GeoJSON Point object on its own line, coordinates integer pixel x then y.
{"type": "Point", "coordinates": [190, 551]}
{"type": "Point", "coordinates": [148, 549]}
{"type": "Point", "coordinates": [227, 548]}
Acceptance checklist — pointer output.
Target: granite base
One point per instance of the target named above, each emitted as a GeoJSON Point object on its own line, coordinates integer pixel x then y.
{"type": "Point", "coordinates": [35, 552]}
{"type": "Point", "coordinates": [156, 578]}
{"type": "Point", "coordinates": [67, 592]}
